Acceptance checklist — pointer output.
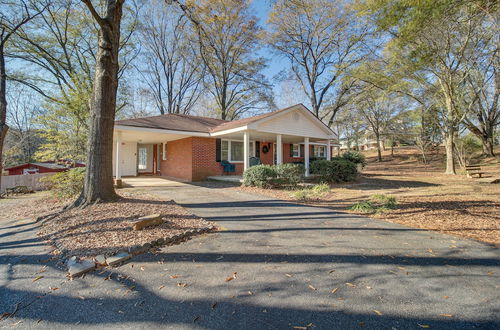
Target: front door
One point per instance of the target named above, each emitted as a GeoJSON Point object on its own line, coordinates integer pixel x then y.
{"type": "Point", "coordinates": [145, 158]}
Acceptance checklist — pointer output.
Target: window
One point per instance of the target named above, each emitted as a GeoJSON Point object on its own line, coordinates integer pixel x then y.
{"type": "Point", "coordinates": [232, 151]}
{"type": "Point", "coordinates": [296, 150]}
{"type": "Point", "coordinates": [164, 152]}
{"type": "Point", "coordinates": [225, 150]}
{"type": "Point", "coordinates": [320, 151]}
{"type": "Point", "coordinates": [143, 158]}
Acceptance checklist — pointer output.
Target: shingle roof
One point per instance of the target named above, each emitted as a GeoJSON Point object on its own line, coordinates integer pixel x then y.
{"type": "Point", "coordinates": [176, 122]}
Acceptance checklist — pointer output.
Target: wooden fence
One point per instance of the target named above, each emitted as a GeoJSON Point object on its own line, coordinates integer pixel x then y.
{"type": "Point", "coordinates": [29, 180]}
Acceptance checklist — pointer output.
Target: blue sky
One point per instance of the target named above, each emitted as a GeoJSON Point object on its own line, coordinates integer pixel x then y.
{"type": "Point", "coordinates": [277, 63]}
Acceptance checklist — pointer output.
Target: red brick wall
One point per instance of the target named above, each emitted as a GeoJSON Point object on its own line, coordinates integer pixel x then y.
{"type": "Point", "coordinates": [194, 159]}
{"type": "Point", "coordinates": [179, 163]}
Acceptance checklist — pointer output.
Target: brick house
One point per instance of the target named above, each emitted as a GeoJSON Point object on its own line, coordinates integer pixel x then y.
{"type": "Point", "coordinates": [191, 148]}
{"type": "Point", "coordinates": [41, 167]}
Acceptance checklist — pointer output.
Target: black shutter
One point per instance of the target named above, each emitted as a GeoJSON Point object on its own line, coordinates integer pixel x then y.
{"type": "Point", "coordinates": [302, 154]}
{"type": "Point", "coordinates": [291, 150]}
{"type": "Point", "coordinates": [217, 150]}
{"type": "Point", "coordinates": [257, 148]}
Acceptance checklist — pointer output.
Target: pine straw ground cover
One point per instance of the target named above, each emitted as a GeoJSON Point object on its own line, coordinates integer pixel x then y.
{"type": "Point", "coordinates": [427, 199]}
{"type": "Point", "coordinates": [105, 229]}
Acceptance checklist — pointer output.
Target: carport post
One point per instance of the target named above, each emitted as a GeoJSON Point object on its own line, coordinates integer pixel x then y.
{"type": "Point", "coordinates": [306, 155]}
{"type": "Point", "coordinates": [328, 150]}
{"type": "Point", "coordinates": [118, 175]}
{"type": "Point", "coordinates": [246, 151]}
{"type": "Point", "coordinates": [279, 150]}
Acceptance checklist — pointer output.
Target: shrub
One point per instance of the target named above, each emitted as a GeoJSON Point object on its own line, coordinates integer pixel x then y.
{"type": "Point", "coordinates": [66, 184]}
{"type": "Point", "coordinates": [335, 170]}
{"type": "Point", "coordinates": [356, 157]}
{"type": "Point", "coordinates": [289, 174]}
{"type": "Point", "coordinates": [378, 203]}
{"type": "Point", "coordinates": [263, 176]}
{"type": "Point", "coordinates": [315, 192]}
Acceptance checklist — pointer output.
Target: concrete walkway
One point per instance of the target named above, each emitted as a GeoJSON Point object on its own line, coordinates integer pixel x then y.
{"type": "Point", "coordinates": [296, 266]}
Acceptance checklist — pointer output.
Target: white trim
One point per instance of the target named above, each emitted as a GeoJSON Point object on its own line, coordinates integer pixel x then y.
{"type": "Point", "coordinates": [306, 155]}
{"type": "Point", "coordinates": [229, 131]}
{"type": "Point", "coordinates": [164, 151]}
{"type": "Point", "coordinates": [158, 130]}
{"type": "Point", "coordinates": [279, 149]}
{"type": "Point", "coordinates": [246, 151]}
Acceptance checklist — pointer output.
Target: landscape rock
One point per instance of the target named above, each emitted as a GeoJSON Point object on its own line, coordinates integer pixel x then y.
{"type": "Point", "coordinates": [147, 221]}
{"type": "Point", "coordinates": [118, 258]}
{"type": "Point", "coordinates": [77, 269]}
{"type": "Point", "coordinates": [100, 260]}
{"type": "Point", "coordinates": [72, 261]}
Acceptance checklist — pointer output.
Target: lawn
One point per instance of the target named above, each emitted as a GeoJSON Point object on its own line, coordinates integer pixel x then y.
{"type": "Point", "coordinates": [426, 198]}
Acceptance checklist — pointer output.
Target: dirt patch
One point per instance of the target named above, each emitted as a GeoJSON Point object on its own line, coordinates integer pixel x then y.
{"type": "Point", "coordinates": [427, 199]}
{"type": "Point", "coordinates": [105, 229]}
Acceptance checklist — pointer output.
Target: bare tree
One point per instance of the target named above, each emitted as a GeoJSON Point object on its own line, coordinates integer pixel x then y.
{"type": "Point", "coordinates": [173, 69]}
{"type": "Point", "coordinates": [12, 17]}
{"type": "Point", "coordinates": [98, 185]}
{"type": "Point", "coordinates": [228, 39]}
{"type": "Point", "coordinates": [323, 41]}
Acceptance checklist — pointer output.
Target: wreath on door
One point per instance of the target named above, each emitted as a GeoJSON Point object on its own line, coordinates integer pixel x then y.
{"type": "Point", "coordinates": [265, 149]}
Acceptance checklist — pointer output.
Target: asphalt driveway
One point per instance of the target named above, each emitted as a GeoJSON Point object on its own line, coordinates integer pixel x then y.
{"type": "Point", "coordinates": [275, 265]}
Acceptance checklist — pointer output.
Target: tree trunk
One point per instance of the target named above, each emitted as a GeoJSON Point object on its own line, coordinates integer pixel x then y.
{"type": "Point", "coordinates": [449, 145]}
{"type": "Point", "coordinates": [3, 106]}
{"type": "Point", "coordinates": [99, 184]}
{"type": "Point", "coordinates": [487, 143]}
{"type": "Point", "coordinates": [379, 151]}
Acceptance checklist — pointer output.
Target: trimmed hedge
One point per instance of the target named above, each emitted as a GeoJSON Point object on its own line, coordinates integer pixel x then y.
{"type": "Point", "coordinates": [268, 176]}
{"type": "Point", "coordinates": [335, 170]}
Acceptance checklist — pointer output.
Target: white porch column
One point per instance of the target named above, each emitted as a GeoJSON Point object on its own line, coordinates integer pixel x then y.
{"type": "Point", "coordinates": [306, 155]}
{"type": "Point", "coordinates": [279, 150]}
{"type": "Point", "coordinates": [118, 174]}
{"type": "Point", "coordinates": [246, 150]}
{"type": "Point", "coordinates": [328, 150]}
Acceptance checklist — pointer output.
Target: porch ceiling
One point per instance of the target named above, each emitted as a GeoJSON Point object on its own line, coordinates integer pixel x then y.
{"type": "Point", "coordinates": [148, 137]}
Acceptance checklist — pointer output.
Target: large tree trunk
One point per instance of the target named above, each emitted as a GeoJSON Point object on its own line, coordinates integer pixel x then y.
{"type": "Point", "coordinates": [99, 184]}
{"type": "Point", "coordinates": [3, 106]}
{"type": "Point", "coordinates": [449, 146]}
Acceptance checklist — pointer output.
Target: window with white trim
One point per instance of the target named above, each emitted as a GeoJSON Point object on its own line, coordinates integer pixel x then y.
{"type": "Point", "coordinates": [319, 151]}
{"type": "Point", "coordinates": [232, 150]}
{"type": "Point", "coordinates": [295, 150]}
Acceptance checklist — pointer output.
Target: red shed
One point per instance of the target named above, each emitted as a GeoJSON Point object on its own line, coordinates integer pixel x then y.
{"type": "Point", "coordinates": [32, 168]}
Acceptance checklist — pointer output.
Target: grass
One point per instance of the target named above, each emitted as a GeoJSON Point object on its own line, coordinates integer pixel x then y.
{"type": "Point", "coordinates": [316, 192]}
{"type": "Point", "coordinates": [378, 203]}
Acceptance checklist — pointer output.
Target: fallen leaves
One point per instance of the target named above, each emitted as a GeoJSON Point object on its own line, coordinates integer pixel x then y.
{"type": "Point", "coordinates": [425, 326]}
{"type": "Point", "coordinates": [312, 287]}
{"type": "Point", "coordinates": [232, 277]}
{"type": "Point", "coordinates": [161, 287]}
{"type": "Point", "coordinates": [334, 290]}
{"type": "Point", "coordinates": [377, 312]}
{"type": "Point", "coordinates": [174, 276]}
{"type": "Point", "coordinates": [288, 275]}
{"type": "Point", "coordinates": [183, 285]}
{"type": "Point", "coordinates": [350, 285]}
{"type": "Point", "coordinates": [446, 315]}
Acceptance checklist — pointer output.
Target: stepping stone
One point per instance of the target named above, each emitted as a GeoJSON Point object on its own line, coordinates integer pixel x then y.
{"type": "Point", "coordinates": [147, 221]}
{"type": "Point", "coordinates": [81, 268]}
{"type": "Point", "coordinates": [118, 258]}
{"type": "Point", "coordinates": [488, 180]}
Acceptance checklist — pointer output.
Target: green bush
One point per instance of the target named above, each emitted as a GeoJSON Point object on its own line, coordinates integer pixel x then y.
{"type": "Point", "coordinates": [289, 174]}
{"type": "Point", "coordinates": [355, 157]}
{"type": "Point", "coordinates": [268, 176]}
{"type": "Point", "coordinates": [335, 170]}
{"type": "Point", "coordinates": [66, 184]}
{"type": "Point", "coordinates": [263, 176]}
